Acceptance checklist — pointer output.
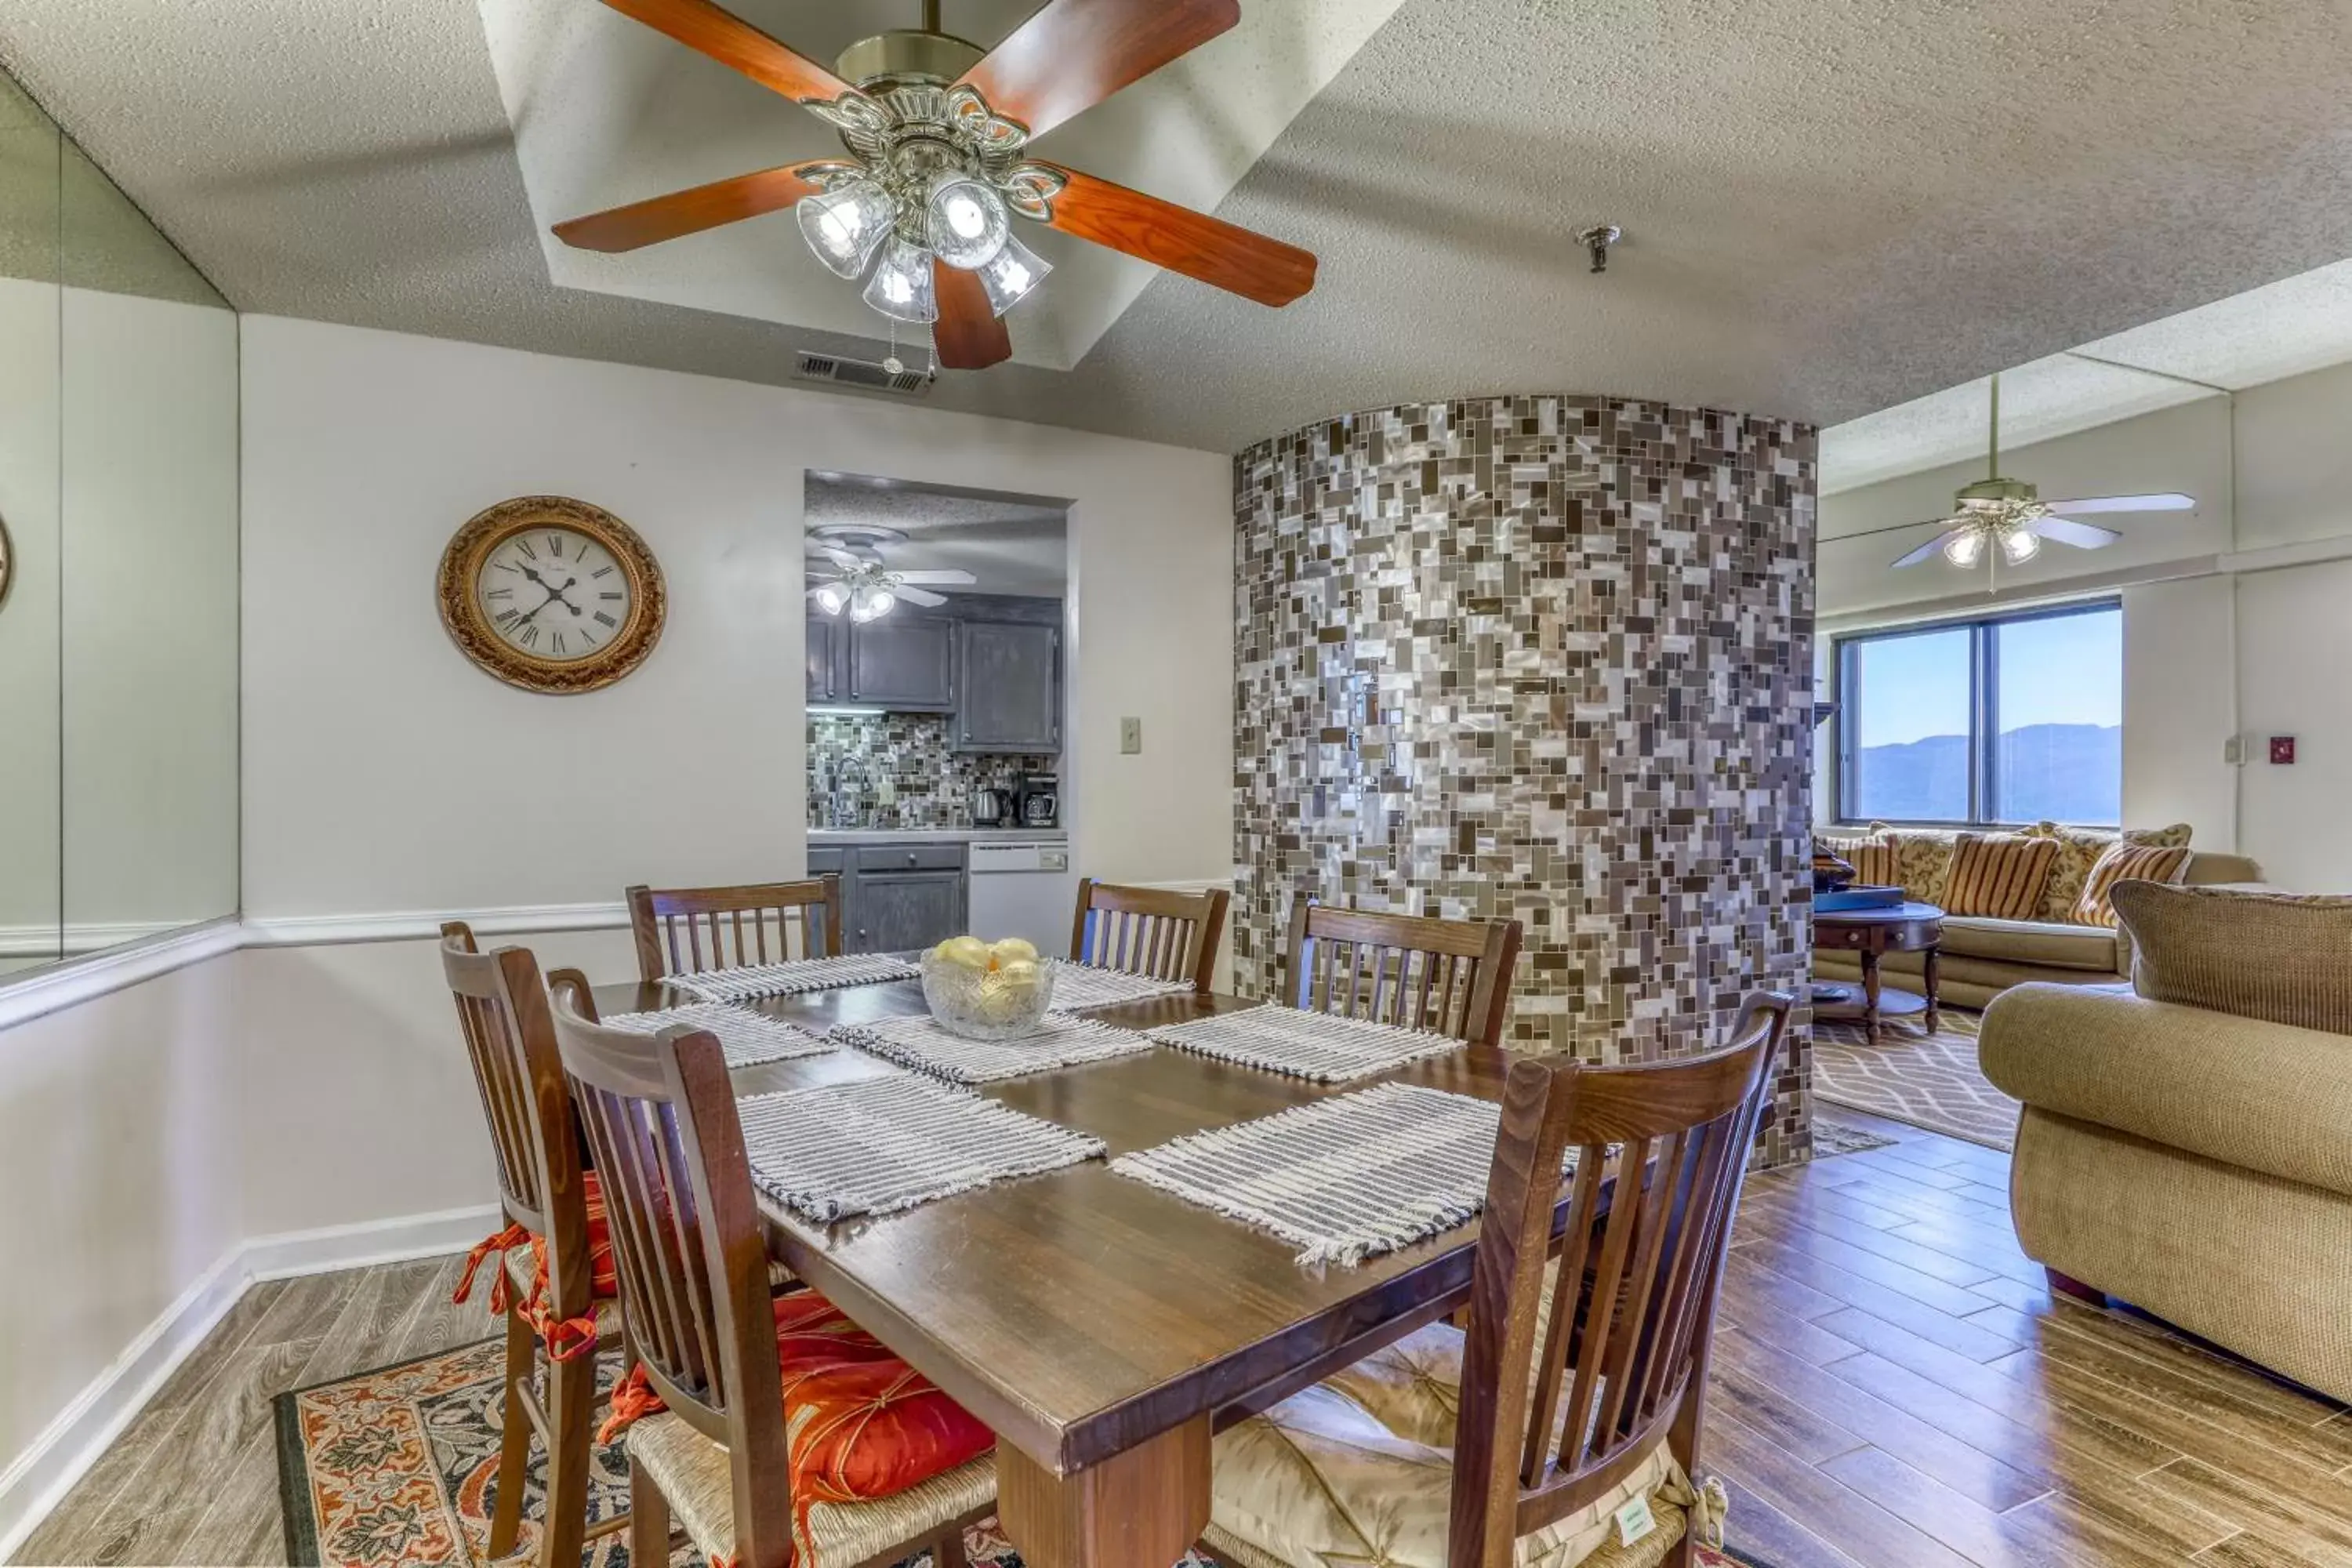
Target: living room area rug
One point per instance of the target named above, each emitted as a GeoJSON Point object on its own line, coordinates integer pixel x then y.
{"type": "Point", "coordinates": [1929, 1079]}
{"type": "Point", "coordinates": [398, 1467]}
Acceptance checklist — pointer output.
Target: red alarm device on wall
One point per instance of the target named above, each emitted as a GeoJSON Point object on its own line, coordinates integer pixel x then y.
{"type": "Point", "coordinates": [2282, 749]}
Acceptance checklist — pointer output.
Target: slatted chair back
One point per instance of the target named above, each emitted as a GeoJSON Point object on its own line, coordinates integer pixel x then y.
{"type": "Point", "coordinates": [1627, 1363]}
{"type": "Point", "coordinates": [1414, 971]}
{"type": "Point", "coordinates": [693, 1266]}
{"type": "Point", "coordinates": [1150, 930]}
{"type": "Point", "coordinates": [685, 931]}
{"type": "Point", "coordinates": [502, 1012]}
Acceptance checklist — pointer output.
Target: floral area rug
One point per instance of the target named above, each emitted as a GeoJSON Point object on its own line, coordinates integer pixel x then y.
{"type": "Point", "coordinates": [1928, 1079]}
{"type": "Point", "coordinates": [399, 1465]}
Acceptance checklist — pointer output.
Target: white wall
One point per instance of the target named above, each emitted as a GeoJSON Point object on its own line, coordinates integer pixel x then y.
{"type": "Point", "coordinates": [31, 873]}
{"type": "Point", "coordinates": [2234, 614]}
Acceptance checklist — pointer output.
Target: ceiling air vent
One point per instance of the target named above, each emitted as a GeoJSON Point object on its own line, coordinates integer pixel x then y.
{"type": "Point", "coordinates": [860, 372]}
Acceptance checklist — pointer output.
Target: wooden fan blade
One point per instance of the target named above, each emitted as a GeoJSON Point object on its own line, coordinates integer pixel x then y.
{"type": "Point", "coordinates": [969, 335]}
{"type": "Point", "coordinates": [735, 43]}
{"type": "Point", "coordinates": [1198, 246]}
{"type": "Point", "coordinates": [1073, 54]}
{"type": "Point", "coordinates": [1913, 558]}
{"type": "Point", "coordinates": [2083, 535]}
{"type": "Point", "coordinates": [2171, 500]}
{"type": "Point", "coordinates": [686, 212]}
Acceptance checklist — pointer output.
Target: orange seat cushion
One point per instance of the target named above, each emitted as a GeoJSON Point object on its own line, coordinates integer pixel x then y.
{"type": "Point", "coordinates": [859, 1423]}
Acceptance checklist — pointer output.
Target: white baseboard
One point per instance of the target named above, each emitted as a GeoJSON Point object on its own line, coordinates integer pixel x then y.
{"type": "Point", "coordinates": [37, 1480]}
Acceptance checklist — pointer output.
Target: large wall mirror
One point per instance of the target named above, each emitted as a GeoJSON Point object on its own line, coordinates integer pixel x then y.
{"type": "Point", "coordinates": [119, 612]}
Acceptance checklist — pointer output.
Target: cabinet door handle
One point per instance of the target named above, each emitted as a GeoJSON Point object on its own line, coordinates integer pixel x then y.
{"type": "Point", "coordinates": [911, 856]}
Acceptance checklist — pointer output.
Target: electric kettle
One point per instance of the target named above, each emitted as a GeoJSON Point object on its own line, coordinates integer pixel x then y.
{"type": "Point", "coordinates": [991, 807]}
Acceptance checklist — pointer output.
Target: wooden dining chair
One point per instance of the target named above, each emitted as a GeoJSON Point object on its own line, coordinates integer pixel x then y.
{"type": "Point", "coordinates": [685, 931]}
{"type": "Point", "coordinates": [1150, 930]}
{"type": "Point", "coordinates": [555, 1283]}
{"type": "Point", "coordinates": [721, 1362]}
{"type": "Point", "coordinates": [1524, 1437]}
{"type": "Point", "coordinates": [1414, 971]}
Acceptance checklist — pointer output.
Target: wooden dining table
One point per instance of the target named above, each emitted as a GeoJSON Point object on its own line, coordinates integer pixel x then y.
{"type": "Point", "coordinates": [1100, 1326]}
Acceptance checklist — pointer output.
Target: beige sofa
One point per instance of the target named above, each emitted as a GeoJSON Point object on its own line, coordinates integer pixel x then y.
{"type": "Point", "coordinates": [2192, 1163]}
{"type": "Point", "coordinates": [1980, 958]}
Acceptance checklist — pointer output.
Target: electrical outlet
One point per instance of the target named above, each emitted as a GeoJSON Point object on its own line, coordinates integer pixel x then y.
{"type": "Point", "coordinates": [1130, 736]}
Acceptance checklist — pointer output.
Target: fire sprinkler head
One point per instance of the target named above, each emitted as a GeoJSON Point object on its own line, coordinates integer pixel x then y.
{"type": "Point", "coordinates": [1597, 241]}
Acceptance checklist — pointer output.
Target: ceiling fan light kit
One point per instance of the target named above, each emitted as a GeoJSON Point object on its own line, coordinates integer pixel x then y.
{"type": "Point", "coordinates": [937, 131]}
{"type": "Point", "coordinates": [2003, 521]}
{"type": "Point", "coordinates": [867, 588]}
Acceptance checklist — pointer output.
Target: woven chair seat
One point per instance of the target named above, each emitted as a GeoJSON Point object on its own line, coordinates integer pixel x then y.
{"type": "Point", "coordinates": [692, 1472]}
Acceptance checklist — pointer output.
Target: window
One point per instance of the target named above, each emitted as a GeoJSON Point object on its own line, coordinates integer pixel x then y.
{"type": "Point", "coordinates": [2009, 719]}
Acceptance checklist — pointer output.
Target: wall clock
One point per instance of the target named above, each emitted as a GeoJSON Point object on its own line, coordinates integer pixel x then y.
{"type": "Point", "coordinates": [551, 594]}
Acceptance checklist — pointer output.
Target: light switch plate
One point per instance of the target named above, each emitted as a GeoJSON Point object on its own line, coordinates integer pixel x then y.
{"type": "Point", "coordinates": [1130, 736]}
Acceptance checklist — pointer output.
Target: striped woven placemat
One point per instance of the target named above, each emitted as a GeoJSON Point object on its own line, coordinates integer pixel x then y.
{"type": "Point", "coordinates": [919, 1042]}
{"type": "Point", "coordinates": [1313, 1045]}
{"type": "Point", "coordinates": [747, 1038]}
{"type": "Point", "coordinates": [1078, 986]}
{"type": "Point", "coordinates": [1343, 1179]}
{"type": "Point", "coordinates": [886, 1143]}
{"type": "Point", "coordinates": [794, 977]}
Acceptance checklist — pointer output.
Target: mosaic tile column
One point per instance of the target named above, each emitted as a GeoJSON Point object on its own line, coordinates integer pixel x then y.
{"type": "Point", "coordinates": [1547, 658]}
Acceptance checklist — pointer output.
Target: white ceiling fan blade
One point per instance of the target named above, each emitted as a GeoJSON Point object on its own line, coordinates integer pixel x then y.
{"type": "Point", "coordinates": [945, 575]}
{"type": "Point", "coordinates": [2066, 530]}
{"type": "Point", "coordinates": [839, 557]}
{"type": "Point", "coordinates": [2171, 500]}
{"type": "Point", "coordinates": [922, 596]}
{"type": "Point", "coordinates": [1932, 545]}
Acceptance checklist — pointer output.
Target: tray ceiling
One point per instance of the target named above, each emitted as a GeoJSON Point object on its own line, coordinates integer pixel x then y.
{"type": "Point", "coordinates": [1832, 207]}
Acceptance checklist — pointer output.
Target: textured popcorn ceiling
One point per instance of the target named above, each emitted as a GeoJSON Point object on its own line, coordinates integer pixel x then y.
{"type": "Point", "coordinates": [1833, 206]}
{"type": "Point", "coordinates": [2282, 328]}
{"type": "Point", "coordinates": [1011, 545]}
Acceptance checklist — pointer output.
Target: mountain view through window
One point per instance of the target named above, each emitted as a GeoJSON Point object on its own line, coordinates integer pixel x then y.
{"type": "Point", "coordinates": [2027, 710]}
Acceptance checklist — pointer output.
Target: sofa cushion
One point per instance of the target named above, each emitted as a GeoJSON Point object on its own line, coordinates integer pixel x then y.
{"type": "Point", "coordinates": [2127, 862]}
{"type": "Point", "coordinates": [2267, 1097]}
{"type": "Point", "coordinates": [2282, 957]}
{"type": "Point", "coordinates": [1998, 874]}
{"type": "Point", "coordinates": [2040, 943]}
{"type": "Point", "coordinates": [2079, 850]}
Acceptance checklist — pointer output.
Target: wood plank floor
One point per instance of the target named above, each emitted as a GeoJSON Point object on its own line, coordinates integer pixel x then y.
{"type": "Point", "coordinates": [1894, 1388]}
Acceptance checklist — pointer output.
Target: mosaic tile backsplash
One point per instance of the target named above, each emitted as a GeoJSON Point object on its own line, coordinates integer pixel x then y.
{"type": "Point", "coordinates": [857, 759]}
{"type": "Point", "coordinates": [1547, 658]}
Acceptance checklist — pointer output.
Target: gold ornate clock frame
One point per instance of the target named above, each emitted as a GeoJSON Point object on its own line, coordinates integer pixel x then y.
{"type": "Point", "coordinates": [468, 625]}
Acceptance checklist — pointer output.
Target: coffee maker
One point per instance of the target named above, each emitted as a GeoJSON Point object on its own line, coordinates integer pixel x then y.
{"type": "Point", "coordinates": [1040, 800]}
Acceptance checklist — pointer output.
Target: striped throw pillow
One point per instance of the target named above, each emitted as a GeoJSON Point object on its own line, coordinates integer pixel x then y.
{"type": "Point", "coordinates": [2126, 863]}
{"type": "Point", "coordinates": [1874, 864]}
{"type": "Point", "coordinates": [1998, 876]}
{"type": "Point", "coordinates": [2282, 957]}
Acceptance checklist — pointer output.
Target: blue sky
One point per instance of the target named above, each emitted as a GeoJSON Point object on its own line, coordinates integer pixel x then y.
{"type": "Point", "coordinates": [2064, 670]}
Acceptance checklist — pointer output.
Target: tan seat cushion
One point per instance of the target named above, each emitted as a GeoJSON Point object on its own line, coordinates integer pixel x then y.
{"type": "Point", "coordinates": [2267, 1097]}
{"type": "Point", "coordinates": [1360, 1469]}
{"type": "Point", "coordinates": [692, 1473]}
{"type": "Point", "coordinates": [2282, 957]}
{"type": "Point", "coordinates": [2040, 943]}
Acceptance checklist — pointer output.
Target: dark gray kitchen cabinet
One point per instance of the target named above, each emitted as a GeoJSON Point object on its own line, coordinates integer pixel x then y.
{"type": "Point", "coordinates": [897, 910]}
{"type": "Point", "coordinates": [824, 656]}
{"type": "Point", "coordinates": [905, 661]}
{"type": "Point", "coordinates": [1010, 687]}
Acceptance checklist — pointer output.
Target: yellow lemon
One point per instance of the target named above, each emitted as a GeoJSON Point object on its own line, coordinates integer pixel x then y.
{"type": "Point", "coordinates": [1020, 972]}
{"type": "Point", "coordinates": [964, 952]}
{"type": "Point", "coordinates": [1013, 948]}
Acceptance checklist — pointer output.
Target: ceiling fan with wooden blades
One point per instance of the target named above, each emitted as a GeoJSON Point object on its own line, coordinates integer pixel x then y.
{"type": "Point", "coordinates": [937, 130]}
{"type": "Point", "coordinates": [1998, 519]}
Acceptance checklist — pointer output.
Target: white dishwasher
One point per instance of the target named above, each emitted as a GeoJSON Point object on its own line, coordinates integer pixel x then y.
{"type": "Point", "coordinates": [1024, 889]}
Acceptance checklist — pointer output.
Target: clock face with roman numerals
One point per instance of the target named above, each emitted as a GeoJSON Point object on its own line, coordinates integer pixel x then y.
{"type": "Point", "coordinates": [551, 594]}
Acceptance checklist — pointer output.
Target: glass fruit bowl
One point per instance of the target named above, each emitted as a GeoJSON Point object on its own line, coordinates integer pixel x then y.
{"type": "Point", "coordinates": [986, 991]}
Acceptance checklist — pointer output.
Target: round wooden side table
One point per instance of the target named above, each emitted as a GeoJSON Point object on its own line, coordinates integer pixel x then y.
{"type": "Point", "coordinates": [1903, 928]}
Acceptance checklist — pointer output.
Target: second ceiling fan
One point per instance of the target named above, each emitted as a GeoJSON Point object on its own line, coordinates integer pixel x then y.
{"type": "Point", "coordinates": [937, 131]}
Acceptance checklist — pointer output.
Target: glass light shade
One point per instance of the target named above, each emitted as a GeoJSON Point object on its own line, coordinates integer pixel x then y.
{"type": "Point", "coordinates": [1011, 273]}
{"type": "Point", "coordinates": [871, 604]}
{"type": "Point", "coordinates": [1966, 548]}
{"type": "Point", "coordinates": [831, 597]}
{"type": "Point", "coordinates": [901, 286]}
{"type": "Point", "coordinates": [966, 221]}
{"type": "Point", "coordinates": [2020, 545]}
{"type": "Point", "coordinates": [846, 225]}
